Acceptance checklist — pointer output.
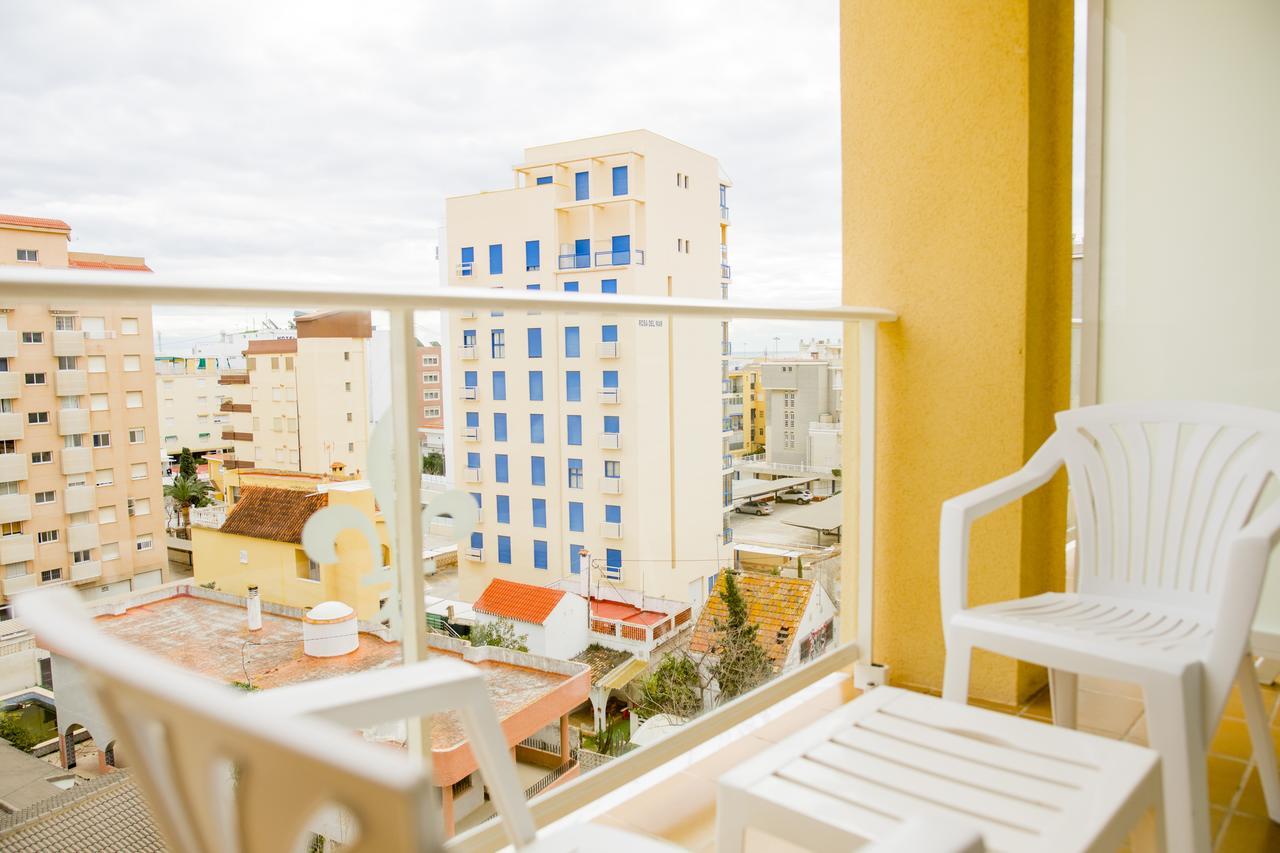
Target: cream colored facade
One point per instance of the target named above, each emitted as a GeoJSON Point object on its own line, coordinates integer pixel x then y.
{"type": "Point", "coordinates": [302, 403]}
{"type": "Point", "coordinates": [189, 400]}
{"type": "Point", "coordinates": [645, 215]}
{"type": "Point", "coordinates": [746, 403]}
{"type": "Point", "coordinates": [80, 481]}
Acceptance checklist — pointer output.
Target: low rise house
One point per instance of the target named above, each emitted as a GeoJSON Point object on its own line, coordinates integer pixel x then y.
{"type": "Point", "coordinates": [795, 618]}
{"type": "Point", "coordinates": [208, 632]}
{"type": "Point", "coordinates": [260, 545]}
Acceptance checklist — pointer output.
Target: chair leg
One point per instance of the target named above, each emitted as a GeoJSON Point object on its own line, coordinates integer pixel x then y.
{"type": "Point", "coordinates": [1175, 728]}
{"type": "Point", "coordinates": [1255, 714]}
{"type": "Point", "coordinates": [955, 676]}
{"type": "Point", "coordinates": [1268, 669]}
{"type": "Point", "coordinates": [1062, 696]}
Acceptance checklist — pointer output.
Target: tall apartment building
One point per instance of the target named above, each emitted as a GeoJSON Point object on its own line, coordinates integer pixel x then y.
{"type": "Point", "coordinates": [81, 500]}
{"type": "Point", "coordinates": [429, 402]}
{"type": "Point", "coordinates": [586, 431]}
{"type": "Point", "coordinates": [191, 413]}
{"type": "Point", "coordinates": [803, 409]}
{"type": "Point", "coordinates": [302, 403]}
{"type": "Point", "coordinates": [747, 410]}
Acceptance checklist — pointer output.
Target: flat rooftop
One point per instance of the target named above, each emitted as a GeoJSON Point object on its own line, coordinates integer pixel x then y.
{"type": "Point", "coordinates": [212, 638]}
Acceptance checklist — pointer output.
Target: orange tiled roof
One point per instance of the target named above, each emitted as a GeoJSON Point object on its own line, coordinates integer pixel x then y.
{"type": "Point", "coordinates": [34, 222]}
{"type": "Point", "coordinates": [266, 513]}
{"type": "Point", "coordinates": [522, 602]}
{"type": "Point", "coordinates": [775, 604]}
{"type": "Point", "coordinates": [81, 264]}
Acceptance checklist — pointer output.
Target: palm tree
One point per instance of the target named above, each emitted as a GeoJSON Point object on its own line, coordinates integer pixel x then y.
{"type": "Point", "coordinates": [433, 463]}
{"type": "Point", "coordinates": [186, 492]}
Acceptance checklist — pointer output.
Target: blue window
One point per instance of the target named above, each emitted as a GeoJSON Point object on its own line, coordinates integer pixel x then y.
{"type": "Point", "coordinates": [473, 460]}
{"type": "Point", "coordinates": [495, 259]}
{"type": "Point", "coordinates": [581, 186]}
{"type": "Point", "coordinates": [468, 260]}
{"type": "Point", "coordinates": [533, 287]}
{"type": "Point", "coordinates": [619, 180]}
{"type": "Point", "coordinates": [573, 386]}
{"type": "Point", "coordinates": [500, 467]}
{"type": "Point", "coordinates": [468, 337]}
{"type": "Point", "coordinates": [538, 470]}
{"type": "Point", "coordinates": [477, 540]}
{"type": "Point", "coordinates": [575, 517]}
{"type": "Point", "coordinates": [537, 434]}
{"type": "Point", "coordinates": [535, 384]}
{"type": "Point", "coordinates": [544, 179]}
{"type": "Point", "coordinates": [532, 256]}
{"type": "Point", "coordinates": [613, 513]}
{"type": "Point", "coordinates": [621, 245]}
{"type": "Point", "coordinates": [572, 342]}
{"type": "Point", "coordinates": [575, 559]}
{"type": "Point", "coordinates": [609, 285]}
{"type": "Point", "coordinates": [500, 384]}
{"type": "Point", "coordinates": [498, 343]}
{"type": "Point", "coordinates": [612, 468]}
{"type": "Point", "coordinates": [711, 583]}
{"type": "Point", "coordinates": [504, 509]}
{"type": "Point", "coordinates": [539, 512]}
{"type": "Point", "coordinates": [499, 426]}
{"type": "Point", "coordinates": [504, 549]}
{"type": "Point", "coordinates": [610, 379]}
{"type": "Point", "coordinates": [575, 429]}
{"type": "Point", "coordinates": [539, 553]}
{"type": "Point", "coordinates": [535, 343]}
{"type": "Point", "coordinates": [609, 334]}
{"type": "Point", "coordinates": [473, 419]}
{"type": "Point", "coordinates": [475, 496]}
{"type": "Point", "coordinates": [611, 424]}
{"type": "Point", "coordinates": [612, 561]}
{"type": "Point", "coordinates": [570, 287]}
{"type": "Point", "coordinates": [575, 473]}
{"type": "Point", "coordinates": [471, 379]}
{"type": "Point", "coordinates": [581, 253]}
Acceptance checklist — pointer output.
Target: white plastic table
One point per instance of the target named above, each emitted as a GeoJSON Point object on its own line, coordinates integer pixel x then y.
{"type": "Point", "coordinates": [892, 755]}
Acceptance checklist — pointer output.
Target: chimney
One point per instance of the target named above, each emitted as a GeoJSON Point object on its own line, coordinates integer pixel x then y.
{"type": "Point", "coordinates": [255, 609]}
{"type": "Point", "coordinates": [584, 572]}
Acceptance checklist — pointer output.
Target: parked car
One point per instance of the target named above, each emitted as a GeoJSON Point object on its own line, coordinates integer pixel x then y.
{"type": "Point", "coordinates": [796, 496]}
{"type": "Point", "coordinates": [755, 508]}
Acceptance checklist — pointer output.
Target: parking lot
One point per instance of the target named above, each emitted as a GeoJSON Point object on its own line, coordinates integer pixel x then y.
{"type": "Point", "coordinates": [774, 529]}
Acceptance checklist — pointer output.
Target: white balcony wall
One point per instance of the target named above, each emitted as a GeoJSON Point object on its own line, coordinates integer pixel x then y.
{"type": "Point", "coordinates": [82, 537]}
{"type": "Point", "coordinates": [77, 460]}
{"type": "Point", "coordinates": [68, 342]}
{"type": "Point", "coordinates": [611, 485]}
{"type": "Point", "coordinates": [79, 499]}
{"type": "Point", "coordinates": [86, 571]}
{"type": "Point", "coordinates": [15, 508]}
{"type": "Point", "coordinates": [21, 584]}
{"type": "Point", "coordinates": [8, 343]}
{"type": "Point", "coordinates": [71, 383]}
{"type": "Point", "coordinates": [17, 549]}
{"type": "Point", "coordinates": [10, 384]}
{"type": "Point", "coordinates": [11, 425]}
{"type": "Point", "coordinates": [73, 421]}
{"type": "Point", "coordinates": [13, 467]}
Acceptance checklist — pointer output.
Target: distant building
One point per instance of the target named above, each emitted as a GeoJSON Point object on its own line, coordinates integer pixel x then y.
{"type": "Point", "coordinates": [260, 544]}
{"type": "Point", "coordinates": [301, 401]}
{"type": "Point", "coordinates": [748, 406]}
{"type": "Point", "coordinates": [81, 500]}
{"type": "Point", "coordinates": [429, 401]}
{"type": "Point", "coordinates": [192, 414]}
{"type": "Point", "coordinates": [802, 404]}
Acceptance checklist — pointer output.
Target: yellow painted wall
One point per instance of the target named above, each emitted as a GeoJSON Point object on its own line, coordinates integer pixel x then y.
{"type": "Point", "coordinates": [234, 563]}
{"type": "Point", "coordinates": [956, 122]}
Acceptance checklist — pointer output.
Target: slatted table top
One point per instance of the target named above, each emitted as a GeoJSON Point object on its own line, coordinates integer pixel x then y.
{"type": "Point", "coordinates": [892, 754]}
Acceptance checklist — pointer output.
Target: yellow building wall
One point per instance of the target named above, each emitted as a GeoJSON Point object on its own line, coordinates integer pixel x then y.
{"type": "Point", "coordinates": [233, 563]}
{"type": "Point", "coordinates": [956, 121]}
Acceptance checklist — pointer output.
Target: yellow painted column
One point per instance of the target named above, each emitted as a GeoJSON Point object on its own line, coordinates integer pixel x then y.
{"type": "Point", "coordinates": [956, 118]}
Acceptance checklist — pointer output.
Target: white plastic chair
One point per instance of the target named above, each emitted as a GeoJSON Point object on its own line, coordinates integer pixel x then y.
{"type": "Point", "coordinates": [1171, 556]}
{"type": "Point", "coordinates": [227, 771]}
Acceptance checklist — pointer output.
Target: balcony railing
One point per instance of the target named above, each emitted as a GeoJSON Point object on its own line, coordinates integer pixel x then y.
{"type": "Point", "coordinates": [611, 530]}
{"type": "Point", "coordinates": [466, 268]}
{"type": "Point", "coordinates": [611, 485]}
{"type": "Point", "coordinates": [12, 425]}
{"type": "Point", "coordinates": [607, 349]}
{"type": "Point", "coordinates": [471, 475]}
{"type": "Point", "coordinates": [467, 352]}
{"type": "Point", "coordinates": [724, 214]}
{"type": "Point", "coordinates": [725, 273]}
{"type": "Point", "coordinates": [471, 433]}
{"type": "Point", "coordinates": [8, 343]}
{"type": "Point", "coordinates": [468, 392]}
{"type": "Point", "coordinates": [39, 285]}
{"type": "Point", "coordinates": [228, 406]}
{"type": "Point", "coordinates": [575, 262]}
{"type": "Point", "coordinates": [610, 441]}
{"type": "Point", "coordinates": [620, 259]}
{"type": "Point", "coordinates": [609, 396]}
{"type": "Point", "coordinates": [233, 377]}
{"type": "Point", "coordinates": [232, 435]}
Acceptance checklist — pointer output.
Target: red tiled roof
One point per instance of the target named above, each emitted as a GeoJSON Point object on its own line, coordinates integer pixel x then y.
{"type": "Point", "coordinates": [34, 222]}
{"type": "Point", "coordinates": [79, 264]}
{"type": "Point", "coordinates": [519, 601]}
{"type": "Point", "coordinates": [271, 345]}
{"type": "Point", "coordinates": [266, 513]}
{"type": "Point", "coordinates": [774, 604]}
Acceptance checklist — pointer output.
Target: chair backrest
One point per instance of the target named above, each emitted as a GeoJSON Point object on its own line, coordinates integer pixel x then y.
{"type": "Point", "coordinates": [1160, 489]}
{"type": "Point", "coordinates": [221, 778]}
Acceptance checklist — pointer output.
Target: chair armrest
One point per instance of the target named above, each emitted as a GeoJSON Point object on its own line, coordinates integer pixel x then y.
{"type": "Point", "coordinates": [404, 693]}
{"type": "Point", "coordinates": [959, 514]}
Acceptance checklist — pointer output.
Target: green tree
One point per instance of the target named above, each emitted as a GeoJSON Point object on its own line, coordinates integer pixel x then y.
{"type": "Point", "coordinates": [186, 463]}
{"type": "Point", "coordinates": [12, 730]}
{"type": "Point", "coordinates": [433, 463]}
{"type": "Point", "coordinates": [500, 633]}
{"type": "Point", "coordinates": [186, 492]}
{"type": "Point", "coordinates": [674, 688]}
{"type": "Point", "coordinates": [741, 663]}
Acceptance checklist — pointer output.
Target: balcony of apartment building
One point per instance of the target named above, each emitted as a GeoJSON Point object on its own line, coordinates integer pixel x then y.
{"type": "Point", "coordinates": [233, 435]}
{"type": "Point", "coordinates": [13, 467]}
{"type": "Point", "coordinates": [954, 141]}
{"type": "Point", "coordinates": [15, 507]}
{"type": "Point", "coordinates": [233, 377]}
{"type": "Point", "coordinates": [229, 406]}
{"type": "Point", "coordinates": [76, 460]}
{"type": "Point", "coordinates": [12, 425]}
{"type": "Point", "coordinates": [10, 383]}
{"type": "Point", "coordinates": [79, 499]}
{"type": "Point", "coordinates": [17, 548]}
{"type": "Point", "coordinates": [8, 343]}
{"type": "Point", "coordinates": [73, 421]}
{"type": "Point", "coordinates": [71, 383]}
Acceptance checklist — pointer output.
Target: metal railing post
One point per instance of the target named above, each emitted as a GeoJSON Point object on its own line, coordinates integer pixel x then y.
{"type": "Point", "coordinates": [867, 332]}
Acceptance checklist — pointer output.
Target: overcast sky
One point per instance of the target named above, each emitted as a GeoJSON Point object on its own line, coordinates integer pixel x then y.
{"type": "Point", "coordinates": [264, 139]}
